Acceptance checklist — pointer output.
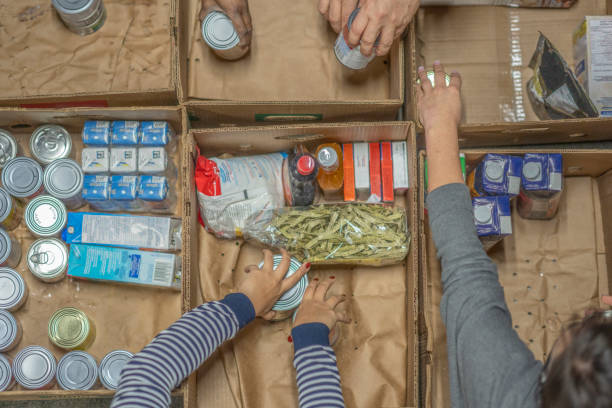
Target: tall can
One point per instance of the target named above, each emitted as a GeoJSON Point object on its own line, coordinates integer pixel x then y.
{"type": "Point", "coordinates": [348, 56]}
{"type": "Point", "coordinates": [34, 368]}
{"type": "Point", "coordinates": [71, 329]}
{"type": "Point", "coordinates": [49, 143]}
{"type": "Point", "coordinates": [45, 216]}
{"type": "Point", "coordinates": [22, 177]}
{"type": "Point", "coordinates": [7, 380]}
{"type": "Point", "coordinates": [48, 259]}
{"type": "Point", "coordinates": [11, 211]}
{"type": "Point", "coordinates": [10, 331]}
{"type": "Point", "coordinates": [111, 366]}
{"type": "Point", "coordinates": [220, 35]}
{"type": "Point", "coordinates": [291, 299]}
{"type": "Point", "coordinates": [10, 250]}
{"type": "Point", "coordinates": [8, 147]}
{"type": "Point", "coordinates": [82, 17]}
{"type": "Point", "coordinates": [13, 290]}
{"type": "Point", "coordinates": [542, 186]}
{"type": "Point", "coordinates": [77, 370]}
{"type": "Point", "coordinates": [63, 179]}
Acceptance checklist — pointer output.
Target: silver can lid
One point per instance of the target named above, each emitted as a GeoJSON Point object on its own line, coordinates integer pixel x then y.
{"type": "Point", "coordinates": [12, 288]}
{"type": "Point", "coordinates": [49, 143]}
{"type": "Point", "coordinates": [483, 214]}
{"type": "Point", "coordinates": [8, 147]}
{"type": "Point", "coordinates": [45, 216]}
{"type": "Point", "coordinates": [327, 157]}
{"type": "Point", "coordinates": [72, 6]}
{"type": "Point", "coordinates": [63, 178]}
{"type": "Point", "coordinates": [494, 170]}
{"type": "Point", "coordinates": [8, 329]}
{"type": "Point", "coordinates": [47, 258]}
{"type": "Point", "coordinates": [6, 373]}
{"type": "Point", "coordinates": [219, 32]}
{"type": "Point", "coordinates": [6, 204]}
{"type": "Point", "coordinates": [111, 366]}
{"type": "Point", "coordinates": [532, 170]}
{"type": "Point", "coordinates": [34, 367]}
{"type": "Point", "coordinates": [77, 370]}
{"type": "Point", "coordinates": [6, 245]}
{"type": "Point", "coordinates": [292, 297]}
{"type": "Point", "coordinates": [22, 177]}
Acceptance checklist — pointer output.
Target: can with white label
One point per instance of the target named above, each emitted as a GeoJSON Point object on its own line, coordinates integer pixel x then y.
{"type": "Point", "coordinates": [48, 259]}
{"type": "Point", "coordinates": [34, 368]}
{"type": "Point", "coordinates": [351, 57]}
{"type": "Point", "coordinates": [221, 36]}
{"type": "Point", "coordinates": [22, 177]}
{"type": "Point", "coordinates": [77, 370]}
{"type": "Point", "coordinates": [7, 380]}
{"type": "Point", "coordinates": [82, 17]}
{"type": "Point", "coordinates": [10, 331]}
{"type": "Point", "coordinates": [49, 143]}
{"type": "Point", "coordinates": [45, 216]}
{"type": "Point", "coordinates": [8, 147]}
{"type": "Point", "coordinates": [111, 366]}
{"type": "Point", "coordinates": [63, 179]}
{"type": "Point", "coordinates": [10, 250]}
{"type": "Point", "coordinates": [13, 290]}
{"type": "Point", "coordinates": [11, 211]}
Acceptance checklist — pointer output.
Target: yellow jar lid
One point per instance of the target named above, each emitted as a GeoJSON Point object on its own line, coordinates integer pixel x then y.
{"type": "Point", "coordinates": [69, 328]}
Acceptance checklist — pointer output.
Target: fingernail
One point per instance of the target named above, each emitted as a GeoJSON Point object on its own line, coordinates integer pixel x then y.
{"type": "Point", "coordinates": [436, 62]}
{"type": "Point", "coordinates": [421, 68]}
{"type": "Point", "coordinates": [316, 279]}
{"type": "Point", "coordinates": [455, 72]}
{"type": "Point", "coordinates": [332, 277]}
{"type": "Point", "coordinates": [307, 266]}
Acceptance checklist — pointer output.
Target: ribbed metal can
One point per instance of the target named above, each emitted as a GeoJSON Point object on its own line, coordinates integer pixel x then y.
{"type": "Point", "coordinates": [220, 35]}
{"type": "Point", "coordinates": [49, 143]}
{"type": "Point", "coordinates": [46, 216]}
{"type": "Point", "coordinates": [48, 259]}
{"type": "Point", "coordinates": [77, 370]}
{"type": "Point", "coordinates": [11, 211]}
{"type": "Point", "coordinates": [63, 179]}
{"type": "Point", "coordinates": [10, 331]}
{"type": "Point", "coordinates": [10, 250]}
{"type": "Point", "coordinates": [7, 380]}
{"type": "Point", "coordinates": [111, 366]}
{"type": "Point", "coordinates": [82, 17]}
{"type": "Point", "coordinates": [22, 177]}
{"type": "Point", "coordinates": [34, 368]}
{"type": "Point", "coordinates": [8, 147]}
{"type": "Point", "coordinates": [292, 298]}
{"type": "Point", "coordinates": [13, 290]}
{"type": "Point", "coordinates": [71, 329]}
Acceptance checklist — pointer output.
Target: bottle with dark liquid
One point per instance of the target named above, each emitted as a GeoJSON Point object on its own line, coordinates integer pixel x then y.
{"type": "Point", "coordinates": [300, 177]}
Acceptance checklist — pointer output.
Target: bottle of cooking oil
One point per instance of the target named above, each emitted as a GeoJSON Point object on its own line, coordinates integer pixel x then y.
{"type": "Point", "coordinates": [331, 173]}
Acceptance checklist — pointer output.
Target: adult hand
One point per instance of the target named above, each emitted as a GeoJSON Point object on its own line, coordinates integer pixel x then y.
{"type": "Point", "coordinates": [237, 11]}
{"type": "Point", "coordinates": [438, 104]}
{"type": "Point", "coordinates": [607, 300]}
{"type": "Point", "coordinates": [316, 309]}
{"type": "Point", "coordinates": [264, 286]}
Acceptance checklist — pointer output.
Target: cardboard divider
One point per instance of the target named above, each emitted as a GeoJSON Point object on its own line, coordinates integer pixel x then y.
{"type": "Point", "coordinates": [125, 317]}
{"type": "Point", "coordinates": [376, 352]}
{"type": "Point", "coordinates": [130, 61]}
{"type": "Point", "coordinates": [290, 74]}
{"type": "Point", "coordinates": [540, 266]}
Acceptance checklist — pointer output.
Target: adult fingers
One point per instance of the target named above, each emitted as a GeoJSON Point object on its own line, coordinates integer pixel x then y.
{"type": "Point", "coordinates": [357, 28]}
{"type": "Point", "coordinates": [268, 259]}
{"type": "Point", "coordinates": [246, 18]}
{"type": "Point", "coordinates": [348, 6]}
{"type": "Point", "coordinates": [310, 289]}
{"type": "Point", "coordinates": [607, 300]}
{"type": "Point", "coordinates": [425, 82]}
{"type": "Point", "coordinates": [324, 7]}
{"type": "Point", "coordinates": [368, 39]}
{"type": "Point", "coordinates": [241, 29]}
{"type": "Point", "coordinates": [455, 80]}
{"type": "Point", "coordinates": [342, 316]}
{"type": "Point", "coordinates": [283, 266]}
{"type": "Point", "coordinates": [335, 15]}
{"type": "Point", "coordinates": [269, 315]}
{"type": "Point", "coordinates": [439, 75]}
{"type": "Point", "coordinates": [250, 268]}
{"type": "Point", "coordinates": [323, 288]}
{"type": "Point", "coordinates": [333, 301]}
{"type": "Point", "coordinates": [385, 42]}
{"type": "Point", "coordinates": [292, 280]}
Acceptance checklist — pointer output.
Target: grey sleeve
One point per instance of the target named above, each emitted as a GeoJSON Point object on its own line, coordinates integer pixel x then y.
{"type": "Point", "coordinates": [489, 366]}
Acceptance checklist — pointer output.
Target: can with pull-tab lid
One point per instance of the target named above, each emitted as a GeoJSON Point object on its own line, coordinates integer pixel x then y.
{"type": "Point", "coordinates": [34, 368]}
{"type": "Point", "coordinates": [48, 259]}
{"type": "Point", "coordinates": [22, 177]}
{"type": "Point", "coordinates": [221, 36]}
{"type": "Point", "coordinates": [8, 147]}
{"type": "Point", "coordinates": [49, 143]}
{"type": "Point", "coordinates": [7, 380]}
{"type": "Point", "coordinates": [82, 17]}
{"type": "Point", "coordinates": [63, 179]}
{"type": "Point", "coordinates": [11, 211]}
{"type": "Point", "coordinates": [10, 250]}
{"type": "Point", "coordinates": [13, 290]}
{"type": "Point", "coordinates": [10, 331]}
{"type": "Point", "coordinates": [45, 216]}
{"type": "Point", "coordinates": [77, 370]}
{"type": "Point", "coordinates": [111, 366]}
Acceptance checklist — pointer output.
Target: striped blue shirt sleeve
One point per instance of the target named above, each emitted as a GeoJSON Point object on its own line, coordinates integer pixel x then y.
{"type": "Point", "coordinates": [148, 379]}
{"type": "Point", "coordinates": [318, 379]}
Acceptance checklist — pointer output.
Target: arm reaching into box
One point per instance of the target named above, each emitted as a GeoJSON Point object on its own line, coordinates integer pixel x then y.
{"type": "Point", "coordinates": [489, 366]}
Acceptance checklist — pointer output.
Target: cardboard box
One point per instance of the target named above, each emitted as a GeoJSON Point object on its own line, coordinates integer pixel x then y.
{"type": "Point", "coordinates": [130, 61]}
{"type": "Point", "coordinates": [376, 352]}
{"type": "Point", "coordinates": [290, 74]}
{"type": "Point", "coordinates": [126, 317]}
{"type": "Point", "coordinates": [532, 264]}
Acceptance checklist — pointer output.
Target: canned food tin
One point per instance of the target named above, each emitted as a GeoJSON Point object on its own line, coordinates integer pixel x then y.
{"type": "Point", "coordinates": [45, 216]}
{"type": "Point", "coordinates": [77, 370]}
{"type": "Point", "coordinates": [221, 36]}
{"type": "Point", "coordinates": [49, 143]}
{"type": "Point", "coordinates": [10, 250]}
{"type": "Point", "coordinates": [48, 259]}
{"type": "Point", "coordinates": [70, 329]}
{"type": "Point", "coordinates": [22, 177]}
{"type": "Point", "coordinates": [351, 57]}
{"type": "Point", "coordinates": [34, 368]}
{"type": "Point", "coordinates": [8, 147]}
{"type": "Point", "coordinates": [63, 179]}
{"type": "Point", "coordinates": [7, 381]}
{"type": "Point", "coordinates": [13, 290]}
{"type": "Point", "coordinates": [10, 331]}
{"type": "Point", "coordinates": [82, 17]}
{"type": "Point", "coordinates": [292, 298]}
{"type": "Point", "coordinates": [111, 366]}
{"type": "Point", "coordinates": [11, 211]}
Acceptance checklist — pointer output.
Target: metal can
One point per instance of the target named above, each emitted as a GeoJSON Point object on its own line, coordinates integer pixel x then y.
{"type": "Point", "coordinates": [10, 331]}
{"type": "Point", "coordinates": [10, 250]}
{"type": "Point", "coordinates": [13, 290]}
{"type": "Point", "coordinates": [34, 368]}
{"type": "Point", "coordinates": [45, 216]}
{"type": "Point", "coordinates": [71, 329]}
{"type": "Point", "coordinates": [8, 147]}
{"type": "Point", "coordinates": [11, 211]}
{"type": "Point", "coordinates": [49, 143]}
{"type": "Point", "coordinates": [48, 259]}
{"type": "Point", "coordinates": [351, 57]}
{"type": "Point", "coordinates": [82, 17]}
{"type": "Point", "coordinates": [111, 366]}
{"type": "Point", "coordinates": [292, 298]}
{"type": "Point", "coordinates": [221, 36]}
{"type": "Point", "coordinates": [7, 380]}
{"type": "Point", "coordinates": [63, 179]}
{"type": "Point", "coordinates": [77, 370]}
{"type": "Point", "coordinates": [22, 177]}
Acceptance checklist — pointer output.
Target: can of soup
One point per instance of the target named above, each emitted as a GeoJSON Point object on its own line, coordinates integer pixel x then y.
{"type": "Point", "coordinates": [34, 368]}
{"type": "Point", "coordinates": [10, 331]}
{"type": "Point", "coordinates": [48, 259]}
{"type": "Point", "coordinates": [292, 298]}
{"type": "Point", "coordinates": [111, 366]}
{"type": "Point", "coordinates": [351, 57]}
{"type": "Point", "coordinates": [22, 177]}
{"type": "Point", "coordinates": [77, 370]}
{"type": "Point", "coordinates": [11, 211]}
{"type": "Point", "coordinates": [221, 36]}
{"type": "Point", "coordinates": [10, 250]}
{"type": "Point", "coordinates": [63, 179]}
{"type": "Point", "coordinates": [82, 17]}
{"type": "Point", "coordinates": [7, 380]}
{"type": "Point", "coordinates": [49, 143]}
{"type": "Point", "coordinates": [13, 290]}
{"type": "Point", "coordinates": [8, 147]}
{"type": "Point", "coordinates": [71, 329]}
{"type": "Point", "coordinates": [45, 216]}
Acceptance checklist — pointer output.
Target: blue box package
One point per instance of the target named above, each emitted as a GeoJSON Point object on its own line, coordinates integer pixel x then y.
{"type": "Point", "coordinates": [123, 192]}
{"type": "Point", "coordinates": [125, 132]}
{"type": "Point", "coordinates": [493, 219]}
{"type": "Point", "coordinates": [496, 174]}
{"type": "Point", "coordinates": [543, 172]}
{"type": "Point", "coordinates": [153, 188]}
{"type": "Point", "coordinates": [155, 133]}
{"type": "Point", "coordinates": [96, 191]}
{"type": "Point", "coordinates": [123, 265]}
{"type": "Point", "coordinates": [96, 133]}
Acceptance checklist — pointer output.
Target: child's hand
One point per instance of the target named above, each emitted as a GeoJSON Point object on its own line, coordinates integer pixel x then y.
{"type": "Point", "coordinates": [439, 105]}
{"type": "Point", "coordinates": [315, 309]}
{"type": "Point", "coordinates": [264, 286]}
{"type": "Point", "coordinates": [237, 11]}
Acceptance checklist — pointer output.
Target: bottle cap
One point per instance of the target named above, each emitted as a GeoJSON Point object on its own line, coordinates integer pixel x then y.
{"type": "Point", "coordinates": [305, 165]}
{"type": "Point", "coordinates": [327, 157]}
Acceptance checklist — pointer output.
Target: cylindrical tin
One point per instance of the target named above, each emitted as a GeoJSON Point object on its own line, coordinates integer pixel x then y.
{"type": "Point", "coordinates": [63, 179]}
{"type": "Point", "coordinates": [46, 216]}
{"type": "Point", "coordinates": [8, 147]}
{"type": "Point", "coordinates": [22, 177]}
{"type": "Point", "coordinates": [111, 366]}
{"type": "Point", "coordinates": [11, 211]}
{"type": "Point", "coordinates": [221, 36]}
{"type": "Point", "coordinates": [77, 370]}
{"type": "Point", "coordinates": [292, 298]}
{"type": "Point", "coordinates": [34, 368]}
{"type": "Point", "coordinates": [7, 380]}
{"type": "Point", "coordinates": [13, 290]}
{"type": "Point", "coordinates": [82, 17]}
{"type": "Point", "coordinates": [71, 329]}
{"type": "Point", "coordinates": [10, 250]}
{"type": "Point", "coordinates": [49, 143]}
{"type": "Point", "coordinates": [48, 259]}
{"type": "Point", "coordinates": [351, 57]}
{"type": "Point", "coordinates": [10, 331]}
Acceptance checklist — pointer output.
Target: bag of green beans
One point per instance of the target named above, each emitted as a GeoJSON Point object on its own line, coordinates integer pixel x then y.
{"type": "Point", "coordinates": [364, 234]}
